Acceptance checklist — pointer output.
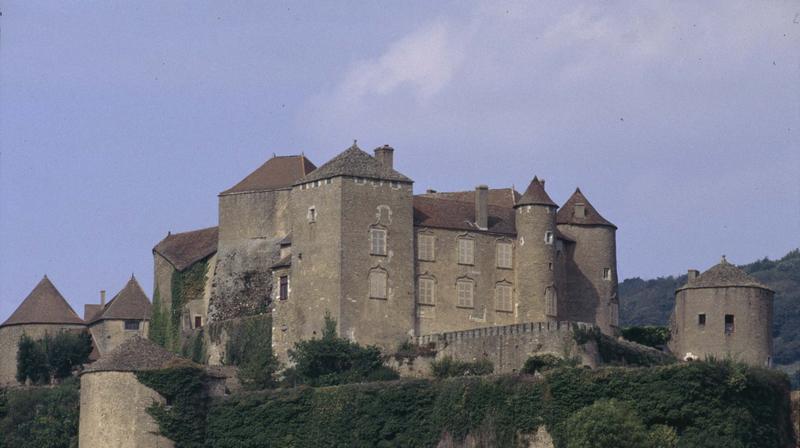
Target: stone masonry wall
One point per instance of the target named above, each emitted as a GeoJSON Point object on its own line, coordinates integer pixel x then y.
{"type": "Point", "coordinates": [114, 412]}
{"type": "Point", "coordinates": [9, 341]}
{"type": "Point", "coordinates": [109, 334]}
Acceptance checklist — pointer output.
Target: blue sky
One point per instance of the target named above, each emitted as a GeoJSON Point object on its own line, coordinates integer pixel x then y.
{"type": "Point", "coordinates": [120, 121]}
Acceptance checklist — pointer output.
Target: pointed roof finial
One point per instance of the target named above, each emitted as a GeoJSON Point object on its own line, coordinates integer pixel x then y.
{"type": "Point", "coordinates": [724, 260]}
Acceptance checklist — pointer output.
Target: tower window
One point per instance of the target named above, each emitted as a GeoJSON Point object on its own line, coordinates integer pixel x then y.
{"type": "Point", "coordinates": [548, 237]}
{"type": "Point", "coordinates": [729, 326]}
{"type": "Point", "coordinates": [377, 284]}
{"type": "Point", "coordinates": [502, 294]}
{"type": "Point", "coordinates": [607, 274]}
{"type": "Point", "coordinates": [132, 325]}
{"type": "Point", "coordinates": [426, 247]}
{"type": "Point", "coordinates": [504, 255]}
{"type": "Point", "coordinates": [466, 251]}
{"type": "Point", "coordinates": [284, 287]}
{"type": "Point", "coordinates": [464, 290]}
{"type": "Point", "coordinates": [377, 241]}
{"type": "Point", "coordinates": [701, 320]}
{"type": "Point", "coordinates": [312, 214]}
{"type": "Point", "coordinates": [198, 321]}
{"type": "Point", "coordinates": [427, 291]}
{"type": "Point", "coordinates": [551, 301]}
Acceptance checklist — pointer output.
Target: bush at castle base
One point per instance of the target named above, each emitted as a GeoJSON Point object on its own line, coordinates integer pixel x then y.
{"type": "Point", "coordinates": [707, 404]}
{"type": "Point", "coordinates": [40, 417]}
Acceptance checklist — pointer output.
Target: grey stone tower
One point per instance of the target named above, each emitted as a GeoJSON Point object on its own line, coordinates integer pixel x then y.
{"type": "Point", "coordinates": [723, 313]}
{"type": "Point", "coordinates": [592, 265]}
{"type": "Point", "coordinates": [535, 215]}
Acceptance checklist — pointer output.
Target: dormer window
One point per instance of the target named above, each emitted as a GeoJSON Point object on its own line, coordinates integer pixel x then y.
{"type": "Point", "coordinates": [580, 210]}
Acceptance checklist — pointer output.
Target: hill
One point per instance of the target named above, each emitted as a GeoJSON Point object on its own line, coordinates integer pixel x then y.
{"type": "Point", "coordinates": [650, 302]}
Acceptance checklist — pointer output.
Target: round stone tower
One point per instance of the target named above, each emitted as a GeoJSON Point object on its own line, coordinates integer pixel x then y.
{"type": "Point", "coordinates": [535, 216]}
{"type": "Point", "coordinates": [591, 264]}
{"type": "Point", "coordinates": [723, 313]}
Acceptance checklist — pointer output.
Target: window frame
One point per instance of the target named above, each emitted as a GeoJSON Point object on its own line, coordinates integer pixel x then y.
{"type": "Point", "coordinates": [420, 253]}
{"type": "Point", "coordinates": [471, 284]}
{"type": "Point", "coordinates": [373, 294]}
{"type": "Point", "coordinates": [384, 249]}
{"type": "Point", "coordinates": [549, 237]}
{"type": "Point", "coordinates": [607, 275]}
{"type": "Point", "coordinates": [463, 260]}
{"type": "Point", "coordinates": [311, 214]}
{"type": "Point", "coordinates": [510, 247]}
{"type": "Point", "coordinates": [499, 301]}
{"type": "Point", "coordinates": [283, 288]}
{"type": "Point", "coordinates": [431, 282]}
{"type": "Point", "coordinates": [730, 327]}
{"type": "Point", "coordinates": [551, 301]}
{"type": "Point", "coordinates": [701, 320]}
{"type": "Point", "coordinates": [128, 323]}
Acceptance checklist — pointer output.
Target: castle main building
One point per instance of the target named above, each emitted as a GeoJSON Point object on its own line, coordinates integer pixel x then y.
{"type": "Point", "coordinates": [350, 239]}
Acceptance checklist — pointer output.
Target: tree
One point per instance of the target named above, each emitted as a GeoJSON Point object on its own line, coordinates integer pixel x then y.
{"type": "Point", "coordinates": [32, 361]}
{"type": "Point", "coordinates": [605, 424]}
{"type": "Point", "coordinates": [52, 356]}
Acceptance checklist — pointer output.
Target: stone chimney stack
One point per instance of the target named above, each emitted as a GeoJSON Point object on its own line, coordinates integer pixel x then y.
{"type": "Point", "coordinates": [482, 206]}
{"type": "Point", "coordinates": [385, 155]}
{"type": "Point", "coordinates": [692, 274]}
{"type": "Point", "coordinates": [103, 297]}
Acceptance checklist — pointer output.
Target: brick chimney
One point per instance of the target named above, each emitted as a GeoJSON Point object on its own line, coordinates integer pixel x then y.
{"type": "Point", "coordinates": [482, 206]}
{"type": "Point", "coordinates": [385, 155]}
{"type": "Point", "coordinates": [103, 297]}
{"type": "Point", "coordinates": [692, 274]}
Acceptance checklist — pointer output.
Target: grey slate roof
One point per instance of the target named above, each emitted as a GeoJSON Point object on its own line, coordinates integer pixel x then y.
{"type": "Point", "coordinates": [44, 305]}
{"type": "Point", "coordinates": [134, 355]}
{"type": "Point", "coordinates": [535, 195]}
{"type": "Point", "coordinates": [723, 274]}
{"type": "Point", "coordinates": [187, 248]}
{"type": "Point", "coordinates": [130, 303]}
{"type": "Point", "coordinates": [356, 163]}
{"type": "Point", "coordinates": [566, 214]}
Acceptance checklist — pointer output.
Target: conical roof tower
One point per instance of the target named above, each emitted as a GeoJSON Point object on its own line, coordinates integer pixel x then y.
{"type": "Point", "coordinates": [44, 305]}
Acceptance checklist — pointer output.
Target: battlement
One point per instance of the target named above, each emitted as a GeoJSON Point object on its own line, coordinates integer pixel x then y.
{"type": "Point", "coordinates": [515, 329]}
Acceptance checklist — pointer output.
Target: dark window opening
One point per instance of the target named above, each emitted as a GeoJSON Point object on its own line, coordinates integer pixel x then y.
{"type": "Point", "coordinates": [701, 319]}
{"type": "Point", "coordinates": [729, 327]}
{"type": "Point", "coordinates": [131, 324]}
{"type": "Point", "coordinates": [284, 287]}
{"type": "Point", "coordinates": [198, 322]}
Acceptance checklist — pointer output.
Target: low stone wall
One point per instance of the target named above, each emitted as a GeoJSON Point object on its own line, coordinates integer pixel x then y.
{"type": "Point", "coordinates": [507, 347]}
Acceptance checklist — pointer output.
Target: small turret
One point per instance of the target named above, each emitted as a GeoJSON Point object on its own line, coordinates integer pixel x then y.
{"type": "Point", "coordinates": [536, 233]}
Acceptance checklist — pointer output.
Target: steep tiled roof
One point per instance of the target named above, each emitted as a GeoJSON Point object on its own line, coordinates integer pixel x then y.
{"type": "Point", "coordinates": [130, 303]}
{"type": "Point", "coordinates": [460, 215]}
{"type": "Point", "coordinates": [90, 310]}
{"type": "Point", "coordinates": [134, 355]}
{"type": "Point", "coordinates": [503, 197]}
{"type": "Point", "coordinates": [276, 173]}
{"type": "Point", "coordinates": [723, 274]}
{"type": "Point", "coordinates": [44, 305]}
{"type": "Point", "coordinates": [535, 195]}
{"type": "Point", "coordinates": [357, 163]}
{"type": "Point", "coordinates": [566, 214]}
{"type": "Point", "coordinates": [185, 249]}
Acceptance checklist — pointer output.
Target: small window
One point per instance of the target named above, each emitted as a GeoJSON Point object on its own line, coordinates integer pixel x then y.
{"type": "Point", "coordinates": [701, 320]}
{"type": "Point", "coordinates": [551, 301]}
{"type": "Point", "coordinates": [607, 274]}
{"type": "Point", "coordinates": [550, 266]}
{"type": "Point", "coordinates": [729, 325]}
{"type": "Point", "coordinates": [396, 185]}
{"type": "Point", "coordinates": [377, 241]}
{"type": "Point", "coordinates": [504, 255]}
{"type": "Point", "coordinates": [312, 214]}
{"type": "Point", "coordinates": [580, 210]}
{"type": "Point", "coordinates": [502, 295]}
{"type": "Point", "coordinates": [614, 314]}
{"type": "Point", "coordinates": [427, 291]}
{"type": "Point", "coordinates": [327, 181]}
{"type": "Point", "coordinates": [548, 237]}
{"type": "Point", "coordinates": [466, 251]}
{"type": "Point", "coordinates": [426, 247]}
{"type": "Point", "coordinates": [464, 290]}
{"type": "Point", "coordinates": [377, 284]}
{"type": "Point", "coordinates": [132, 325]}
{"type": "Point", "coordinates": [198, 322]}
{"type": "Point", "coordinates": [284, 287]}
{"type": "Point", "coordinates": [360, 180]}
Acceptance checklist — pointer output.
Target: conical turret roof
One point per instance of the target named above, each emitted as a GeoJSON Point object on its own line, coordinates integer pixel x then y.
{"type": "Point", "coordinates": [721, 275]}
{"type": "Point", "coordinates": [357, 163]}
{"type": "Point", "coordinates": [134, 355]}
{"type": "Point", "coordinates": [535, 195]}
{"type": "Point", "coordinates": [591, 217]}
{"type": "Point", "coordinates": [130, 303]}
{"type": "Point", "coordinates": [44, 305]}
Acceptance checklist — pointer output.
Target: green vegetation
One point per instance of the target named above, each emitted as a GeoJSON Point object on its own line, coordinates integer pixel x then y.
{"type": "Point", "coordinates": [649, 335]}
{"type": "Point", "coordinates": [187, 285]}
{"type": "Point", "coordinates": [332, 360]}
{"type": "Point", "coordinates": [650, 302]}
{"type": "Point", "coordinates": [249, 347]}
{"type": "Point", "coordinates": [40, 417]}
{"type": "Point", "coordinates": [620, 353]}
{"type": "Point", "coordinates": [704, 404]}
{"type": "Point", "coordinates": [194, 346]}
{"type": "Point", "coordinates": [51, 357]}
{"type": "Point", "coordinates": [545, 362]}
{"type": "Point", "coordinates": [183, 418]}
{"type": "Point", "coordinates": [159, 322]}
{"type": "Point", "coordinates": [448, 367]}
{"type": "Point", "coordinates": [610, 423]}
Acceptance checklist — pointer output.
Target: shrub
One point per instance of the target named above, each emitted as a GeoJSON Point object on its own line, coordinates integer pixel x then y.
{"type": "Point", "coordinates": [332, 360]}
{"type": "Point", "coordinates": [605, 424]}
{"type": "Point", "coordinates": [249, 347]}
{"type": "Point", "coordinates": [32, 361]}
{"type": "Point", "coordinates": [52, 356]}
{"type": "Point", "coordinates": [40, 417]}
{"type": "Point", "coordinates": [650, 336]}
{"type": "Point", "coordinates": [448, 367]}
{"type": "Point", "coordinates": [545, 362]}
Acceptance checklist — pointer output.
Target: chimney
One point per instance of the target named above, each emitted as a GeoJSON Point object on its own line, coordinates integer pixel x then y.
{"type": "Point", "coordinates": [102, 297]}
{"type": "Point", "coordinates": [482, 206]}
{"type": "Point", "coordinates": [692, 274]}
{"type": "Point", "coordinates": [385, 155]}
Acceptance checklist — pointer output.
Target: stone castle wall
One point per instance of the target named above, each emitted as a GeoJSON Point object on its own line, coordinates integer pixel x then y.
{"type": "Point", "coordinates": [108, 334]}
{"type": "Point", "coordinates": [114, 412]}
{"type": "Point", "coordinates": [9, 341]}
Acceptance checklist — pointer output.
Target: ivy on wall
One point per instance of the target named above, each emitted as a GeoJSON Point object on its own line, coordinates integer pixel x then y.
{"type": "Point", "coordinates": [187, 285]}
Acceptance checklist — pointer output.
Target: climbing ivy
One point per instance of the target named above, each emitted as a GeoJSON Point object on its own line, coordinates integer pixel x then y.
{"type": "Point", "coordinates": [158, 330]}
{"type": "Point", "coordinates": [187, 285]}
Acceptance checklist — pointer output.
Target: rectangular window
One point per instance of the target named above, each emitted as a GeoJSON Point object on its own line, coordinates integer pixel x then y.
{"type": "Point", "coordinates": [614, 314]}
{"type": "Point", "coordinates": [551, 301]}
{"type": "Point", "coordinates": [377, 241]}
{"type": "Point", "coordinates": [548, 237]}
{"type": "Point", "coordinates": [132, 325]}
{"type": "Point", "coordinates": [606, 273]}
{"type": "Point", "coordinates": [502, 294]}
{"type": "Point", "coordinates": [729, 326]}
{"type": "Point", "coordinates": [701, 320]}
{"type": "Point", "coordinates": [580, 210]}
{"type": "Point", "coordinates": [426, 247]}
{"type": "Point", "coordinates": [464, 291]}
{"type": "Point", "coordinates": [312, 214]}
{"type": "Point", "coordinates": [377, 285]}
{"type": "Point", "coordinates": [427, 291]}
{"type": "Point", "coordinates": [466, 251]}
{"type": "Point", "coordinates": [284, 287]}
{"type": "Point", "coordinates": [198, 322]}
{"type": "Point", "coordinates": [504, 255]}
